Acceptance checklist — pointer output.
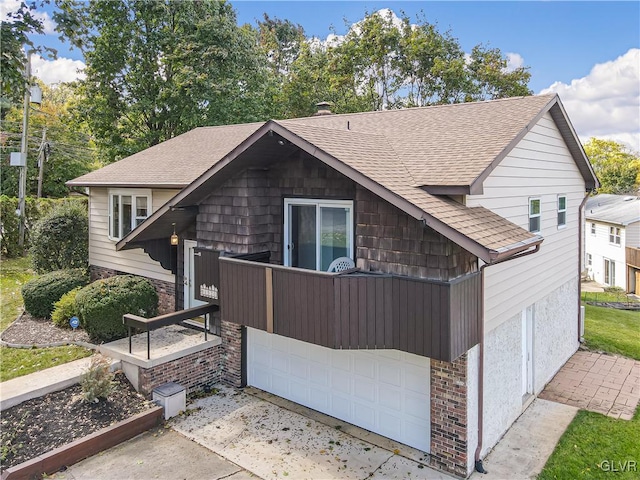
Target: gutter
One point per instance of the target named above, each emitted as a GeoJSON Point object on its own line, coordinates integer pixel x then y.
{"type": "Point", "coordinates": [478, 461]}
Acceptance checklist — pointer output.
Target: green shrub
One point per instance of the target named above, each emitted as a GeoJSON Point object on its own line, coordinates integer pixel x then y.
{"type": "Point", "coordinates": [65, 308]}
{"type": "Point", "coordinates": [36, 208]}
{"type": "Point", "coordinates": [102, 304]}
{"type": "Point", "coordinates": [97, 381]}
{"type": "Point", "coordinates": [61, 239]}
{"type": "Point", "coordinates": [42, 292]}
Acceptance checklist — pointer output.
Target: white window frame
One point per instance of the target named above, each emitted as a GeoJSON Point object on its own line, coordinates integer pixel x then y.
{"type": "Point", "coordinates": [593, 228]}
{"type": "Point", "coordinates": [348, 204]}
{"type": "Point", "coordinates": [615, 236]}
{"type": "Point", "coordinates": [609, 276]}
{"type": "Point", "coordinates": [589, 260]}
{"type": "Point", "coordinates": [534, 215]}
{"type": "Point", "coordinates": [133, 193]}
{"type": "Point", "coordinates": [562, 212]}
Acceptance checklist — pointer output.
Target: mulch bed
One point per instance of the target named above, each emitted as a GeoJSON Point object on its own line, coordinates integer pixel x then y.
{"type": "Point", "coordinates": [38, 426]}
{"type": "Point", "coordinates": [28, 330]}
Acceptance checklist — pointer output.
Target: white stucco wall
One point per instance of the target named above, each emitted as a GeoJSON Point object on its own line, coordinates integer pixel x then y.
{"type": "Point", "coordinates": [502, 380]}
{"type": "Point", "coordinates": [555, 333]}
{"type": "Point", "coordinates": [555, 339]}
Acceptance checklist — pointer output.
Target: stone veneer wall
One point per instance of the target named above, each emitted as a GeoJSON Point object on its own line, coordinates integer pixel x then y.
{"type": "Point", "coordinates": [166, 291]}
{"type": "Point", "coordinates": [391, 241]}
{"type": "Point", "coordinates": [194, 371]}
{"type": "Point", "coordinates": [449, 416]}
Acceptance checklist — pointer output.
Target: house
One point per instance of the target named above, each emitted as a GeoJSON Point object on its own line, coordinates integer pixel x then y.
{"type": "Point", "coordinates": [462, 220]}
{"type": "Point", "coordinates": [612, 241]}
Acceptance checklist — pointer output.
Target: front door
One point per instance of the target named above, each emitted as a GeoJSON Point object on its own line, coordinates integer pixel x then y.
{"type": "Point", "coordinates": [189, 275]}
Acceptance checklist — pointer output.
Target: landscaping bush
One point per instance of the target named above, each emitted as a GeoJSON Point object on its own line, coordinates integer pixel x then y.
{"type": "Point", "coordinates": [65, 308]}
{"type": "Point", "coordinates": [61, 239]}
{"type": "Point", "coordinates": [36, 208]}
{"type": "Point", "coordinates": [102, 304]}
{"type": "Point", "coordinates": [97, 381]}
{"type": "Point", "coordinates": [41, 293]}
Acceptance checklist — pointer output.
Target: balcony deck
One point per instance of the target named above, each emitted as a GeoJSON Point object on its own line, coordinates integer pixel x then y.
{"type": "Point", "coordinates": [353, 310]}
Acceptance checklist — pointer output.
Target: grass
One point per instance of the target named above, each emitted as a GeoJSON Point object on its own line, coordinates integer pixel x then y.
{"type": "Point", "coordinates": [613, 331]}
{"type": "Point", "coordinates": [608, 297]}
{"type": "Point", "coordinates": [22, 361]}
{"type": "Point", "coordinates": [596, 446]}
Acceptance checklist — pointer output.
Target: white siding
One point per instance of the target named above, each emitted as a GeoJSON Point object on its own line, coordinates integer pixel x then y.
{"type": "Point", "coordinates": [540, 166]}
{"type": "Point", "coordinates": [599, 247]}
{"type": "Point", "coordinates": [102, 250]}
{"type": "Point", "coordinates": [632, 235]}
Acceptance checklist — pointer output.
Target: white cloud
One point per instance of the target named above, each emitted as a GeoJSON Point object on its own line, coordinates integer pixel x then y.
{"type": "Point", "coordinates": [7, 6]}
{"type": "Point", "coordinates": [514, 61]}
{"type": "Point", "coordinates": [606, 102]}
{"type": "Point", "coordinates": [57, 71]}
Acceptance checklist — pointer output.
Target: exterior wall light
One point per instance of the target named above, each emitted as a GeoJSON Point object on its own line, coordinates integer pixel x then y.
{"type": "Point", "coordinates": [174, 237]}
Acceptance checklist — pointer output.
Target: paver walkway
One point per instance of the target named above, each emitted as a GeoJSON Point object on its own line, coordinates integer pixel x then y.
{"type": "Point", "coordinates": [597, 382]}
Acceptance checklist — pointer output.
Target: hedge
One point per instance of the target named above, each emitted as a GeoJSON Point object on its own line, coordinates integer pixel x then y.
{"type": "Point", "coordinates": [41, 293]}
{"type": "Point", "coordinates": [102, 304]}
{"type": "Point", "coordinates": [36, 208]}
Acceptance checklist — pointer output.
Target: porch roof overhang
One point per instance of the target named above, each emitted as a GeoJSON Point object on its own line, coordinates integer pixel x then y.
{"type": "Point", "coordinates": [368, 160]}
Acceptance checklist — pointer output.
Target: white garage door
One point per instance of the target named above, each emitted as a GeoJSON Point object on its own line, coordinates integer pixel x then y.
{"type": "Point", "coordinates": [384, 391]}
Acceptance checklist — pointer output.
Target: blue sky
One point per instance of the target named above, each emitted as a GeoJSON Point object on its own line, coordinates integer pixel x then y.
{"type": "Point", "coordinates": [560, 41]}
{"type": "Point", "coordinates": [587, 52]}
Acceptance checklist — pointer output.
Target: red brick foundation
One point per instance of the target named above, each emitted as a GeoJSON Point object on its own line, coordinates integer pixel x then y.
{"type": "Point", "coordinates": [231, 335]}
{"type": "Point", "coordinates": [194, 372]}
{"type": "Point", "coordinates": [449, 416]}
{"type": "Point", "coordinates": [166, 290]}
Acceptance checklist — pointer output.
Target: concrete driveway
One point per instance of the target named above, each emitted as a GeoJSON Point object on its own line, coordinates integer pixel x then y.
{"type": "Point", "coordinates": [238, 436]}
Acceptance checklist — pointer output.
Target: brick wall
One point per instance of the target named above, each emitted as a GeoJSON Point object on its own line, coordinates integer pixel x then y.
{"type": "Point", "coordinates": [388, 240]}
{"type": "Point", "coordinates": [231, 361]}
{"type": "Point", "coordinates": [166, 291]}
{"type": "Point", "coordinates": [449, 415]}
{"type": "Point", "coordinates": [194, 371]}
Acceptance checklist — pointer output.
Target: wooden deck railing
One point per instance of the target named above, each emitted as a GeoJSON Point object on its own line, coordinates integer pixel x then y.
{"type": "Point", "coordinates": [633, 256]}
{"type": "Point", "coordinates": [357, 310]}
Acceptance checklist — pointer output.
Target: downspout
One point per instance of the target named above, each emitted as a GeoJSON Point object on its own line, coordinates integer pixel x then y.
{"type": "Point", "coordinates": [478, 461]}
{"type": "Point", "coordinates": [580, 257]}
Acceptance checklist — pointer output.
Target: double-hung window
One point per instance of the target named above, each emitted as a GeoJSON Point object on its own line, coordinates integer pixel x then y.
{"type": "Point", "coordinates": [593, 228]}
{"type": "Point", "coordinates": [534, 215]}
{"type": "Point", "coordinates": [316, 232]}
{"type": "Point", "coordinates": [614, 235]}
{"type": "Point", "coordinates": [562, 211]}
{"type": "Point", "coordinates": [127, 210]}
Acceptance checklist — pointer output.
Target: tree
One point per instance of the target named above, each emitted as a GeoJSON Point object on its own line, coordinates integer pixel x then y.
{"type": "Point", "coordinates": [617, 167]}
{"type": "Point", "coordinates": [158, 69]}
{"type": "Point", "coordinates": [15, 41]}
{"type": "Point", "coordinates": [67, 150]}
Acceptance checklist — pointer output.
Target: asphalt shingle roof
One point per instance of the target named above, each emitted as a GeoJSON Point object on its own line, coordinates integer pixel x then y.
{"type": "Point", "coordinates": [617, 209]}
{"type": "Point", "coordinates": [398, 150]}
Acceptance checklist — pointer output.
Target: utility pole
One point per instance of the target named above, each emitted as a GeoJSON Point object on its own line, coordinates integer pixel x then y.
{"type": "Point", "coordinates": [42, 157]}
{"type": "Point", "coordinates": [22, 189]}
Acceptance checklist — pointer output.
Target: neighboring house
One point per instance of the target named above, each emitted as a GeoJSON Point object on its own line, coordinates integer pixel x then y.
{"type": "Point", "coordinates": [463, 221]}
{"type": "Point", "coordinates": [612, 241]}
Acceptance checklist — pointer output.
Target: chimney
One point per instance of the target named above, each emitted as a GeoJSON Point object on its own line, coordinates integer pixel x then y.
{"type": "Point", "coordinates": [323, 109]}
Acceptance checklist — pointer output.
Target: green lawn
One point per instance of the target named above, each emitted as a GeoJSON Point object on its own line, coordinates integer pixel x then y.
{"type": "Point", "coordinates": [20, 361]}
{"type": "Point", "coordinates": [596, 446]}
{"type": "Point", "coordinates": [593, 446]}
{"type": "Point", "coordinates": [613, 331]}
{"type": "Point", "coordinates": [608, 297]}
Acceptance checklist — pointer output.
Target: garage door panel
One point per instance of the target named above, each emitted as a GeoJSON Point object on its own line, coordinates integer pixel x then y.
{"type": "Point", "coordinates": [390, 398]}
{"type": "Point", "coordinates": [385, 391]}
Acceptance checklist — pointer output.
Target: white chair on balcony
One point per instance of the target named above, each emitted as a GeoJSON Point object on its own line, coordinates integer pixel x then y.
{"type": "Point", "coordinates": [341, 264]}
